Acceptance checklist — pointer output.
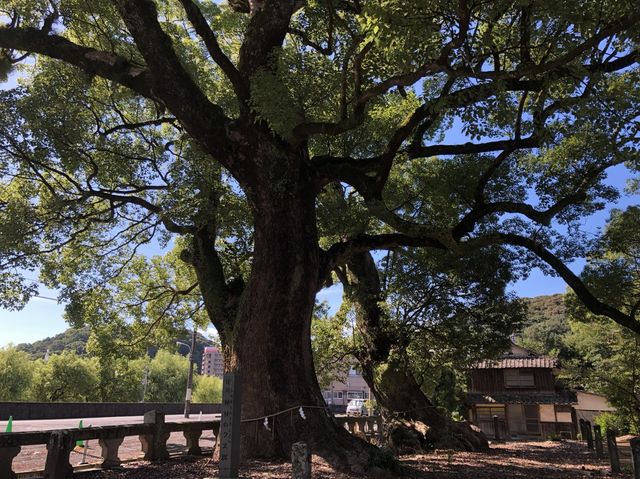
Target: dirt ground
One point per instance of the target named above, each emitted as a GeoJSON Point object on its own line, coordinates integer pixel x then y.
{"type": "Point", "coordinates": [515, 460]}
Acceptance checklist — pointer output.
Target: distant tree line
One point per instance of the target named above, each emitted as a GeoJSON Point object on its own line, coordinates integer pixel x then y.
{"type": "Point", "coordinates": [75, 340]}
{"type": "Point", "coordinates": [69, 377]}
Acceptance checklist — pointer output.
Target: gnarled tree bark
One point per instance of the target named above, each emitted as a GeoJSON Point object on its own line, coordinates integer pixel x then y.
{"type": "Point", "coordinates": [268, 339]}
{"type": "Point", "coordinates": [412, 422]}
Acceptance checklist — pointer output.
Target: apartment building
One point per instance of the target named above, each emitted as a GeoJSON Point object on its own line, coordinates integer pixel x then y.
{"type": "Point", "coordinates": [340, 393]}
{"type": "Point", "coordinates": [212, 362]}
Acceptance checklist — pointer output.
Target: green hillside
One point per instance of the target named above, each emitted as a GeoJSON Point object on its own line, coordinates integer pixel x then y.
{"type": "Point", "coordinates": [75, 340]}
{"type": "Point", "coordinates": [546, 324]}
{"type": "Point", "coordinates": [546, 307]}
{"type": "Point", "coordinates": [70, 340]}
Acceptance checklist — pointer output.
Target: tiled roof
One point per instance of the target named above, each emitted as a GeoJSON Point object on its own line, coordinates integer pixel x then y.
{"type": "Point", "coordinates": [518, 362]}
{"type": "Point", "coordinates": [561, 396]}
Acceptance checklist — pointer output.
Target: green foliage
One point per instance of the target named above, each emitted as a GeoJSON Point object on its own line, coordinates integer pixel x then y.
{"type": "Point", "coordinates": [606, 360]}
{"type": "Point", "coordinates": [607, 355]}
{"type": "Point", "coordinates": [65, 377]}
{"type": "Point", "coordinates": [207, 390]}
{"type": "Point", "coordinates": [76, 131]}
{"type": "Point", "coordinates": [331, 343]}
{"type": "Point", "coordinates": [6, 67]}
{"type": "Point", "coordinates": [16, 372]}
{"type": "Point", "coordinates": [454, 310]}
{"type": "Point", "coordinates": [94, 175]}
{"type": "Point", "coordinates": [167, 377]}
{"type": "Point", "coordinates": [119, 379]}
{"type": "Point", "coordinates": [617, 422]}
{"type": "Point", "coordinates": [546, 326]}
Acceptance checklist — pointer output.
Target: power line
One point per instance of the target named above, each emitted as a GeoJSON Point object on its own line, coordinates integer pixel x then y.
{"type": "Point", "coordinates": [45, 297]}
{"type": "Point", "coordinates": [35, 281]}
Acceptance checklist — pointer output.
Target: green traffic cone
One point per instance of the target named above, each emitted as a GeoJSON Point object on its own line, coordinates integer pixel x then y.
{"type": "Point", "coordinates": [81, 442]}
{"type": "Point", "coordinates": [9, 425]}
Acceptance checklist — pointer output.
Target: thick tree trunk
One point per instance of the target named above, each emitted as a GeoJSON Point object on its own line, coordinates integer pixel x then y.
{"type": "Point", "coordinates": [270, 344]}
{"type": "Point", "coordinates": [412, 422]}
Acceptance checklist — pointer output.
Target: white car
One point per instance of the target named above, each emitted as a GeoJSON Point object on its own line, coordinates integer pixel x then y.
{"type": "Point", "coordinates": [356, 408]}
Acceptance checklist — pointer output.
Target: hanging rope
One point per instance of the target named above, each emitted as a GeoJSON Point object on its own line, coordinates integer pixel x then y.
{"type": "Point", "coordinates": [300, 408]}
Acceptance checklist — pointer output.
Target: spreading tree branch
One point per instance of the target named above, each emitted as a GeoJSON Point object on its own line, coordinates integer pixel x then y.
{"type": "Point", "coordinates": [91, 61]}
{"type": "Point", "coordinates": [203, 29]}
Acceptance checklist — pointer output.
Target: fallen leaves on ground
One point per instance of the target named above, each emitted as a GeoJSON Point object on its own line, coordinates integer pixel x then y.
{"type": "Point", "coordinates": [513, 460]}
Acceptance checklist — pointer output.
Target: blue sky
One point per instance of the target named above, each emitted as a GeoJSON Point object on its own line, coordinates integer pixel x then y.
{"type": "Point", "coordinates": [42, 318]}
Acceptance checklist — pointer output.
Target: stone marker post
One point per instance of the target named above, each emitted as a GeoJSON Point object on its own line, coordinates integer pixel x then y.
{"type": "Point", "coordinates": [300, 461]}
{"type": "Point", "coordinates": [496, 427]}
{"type": "Point", "coordinates": [614, 456]}
{"type": "Point", "coordinates": [589, 431]}
{"type": "Point", "coordinates": [154, 445]}
{"type": "Point", "coordinates": [597, 432]}
{"type": "Point", "coordinates": [635, 456]}
{"type": "Point", "coordinates": [58, 449]}
{"type": "Point", "coordinates": [230, 426]}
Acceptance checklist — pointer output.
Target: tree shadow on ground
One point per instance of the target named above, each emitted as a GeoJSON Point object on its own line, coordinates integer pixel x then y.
{"type": "Point", "coordinates": [531, 460]}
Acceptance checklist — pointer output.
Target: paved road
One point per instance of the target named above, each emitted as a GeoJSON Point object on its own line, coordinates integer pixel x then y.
{"type": "Point", "coordinates": [52, 424]}
{"type": "Point", "coordinates": [32, 458]}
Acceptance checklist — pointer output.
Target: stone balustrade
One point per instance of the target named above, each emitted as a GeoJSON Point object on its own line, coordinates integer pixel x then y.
{"type": "Point", "coordinates": [153, 435]}
{"type": "Point", "coordinates": [366, 427]}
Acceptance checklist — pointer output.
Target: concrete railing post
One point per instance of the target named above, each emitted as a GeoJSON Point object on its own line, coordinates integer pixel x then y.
{"type": "Point", "coordinates": [300, 461]}
{"type": "Point", "coordinates": [371, 429]}
{"type": "Point", "coordinates": [6, 461]}
{"type": "Point", "coordinates": [154, 445]}
{"type": "Point", "coordinates": [597, 432]}
{"type": "Point", "coordinates": [109, 452]}
{"type": "Point", "coordinates": [589, 431]}
{"type": "Point", "coordinates": [614, 456]}
{"type": "Point", "coordinates": [635, 456]}
{"type": "Point", "coordinates": [216, 435]}
{"type": "Point", "coordinates": [193, 441]}
{"type": "Point", "coordinates": [58, 449]}
{"type": "Point", "coordinates": [350, 426]}
{"type": "Point", "coordinates": [496, 427]}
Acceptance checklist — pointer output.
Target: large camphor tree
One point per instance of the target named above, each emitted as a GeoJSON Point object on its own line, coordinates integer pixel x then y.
{"type": "Point", "coordinates": [418, 318]}
{"type": "Point", "coordinates": [268, 129]}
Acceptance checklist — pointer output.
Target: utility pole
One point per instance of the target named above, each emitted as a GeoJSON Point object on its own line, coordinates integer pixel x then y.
{"type": "Point", "coordinates": [145, 382]}
{"type": "Point", "coordinates": [187, 399]}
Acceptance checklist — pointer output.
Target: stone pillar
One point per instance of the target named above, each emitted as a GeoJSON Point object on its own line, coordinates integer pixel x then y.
{"type": "Point", "coordinates": [110, 452]}
{"type": "Point", "coordinates": [300, 461]}
{"type": "Point", "coordinates": [230, 426]}
{"type": "Point", "coordinates": [597, 432]}
{"type": "Point", "coordinates": [496, 427]}
{"type": "Point", "coordinates": [6, 460]}
{"type": "Point", "coordinates": [58, 449]}
{"type": "Point", "coordinates": [193, 441]}
{"type": "Point", "coordinates": [614, 456]}
{"type": "Point", "coordinates": [154, 444]}
{"type": "Point", "coordinates": [635, 456]}
{"type": "Point", "coordinates": [589, 431]}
